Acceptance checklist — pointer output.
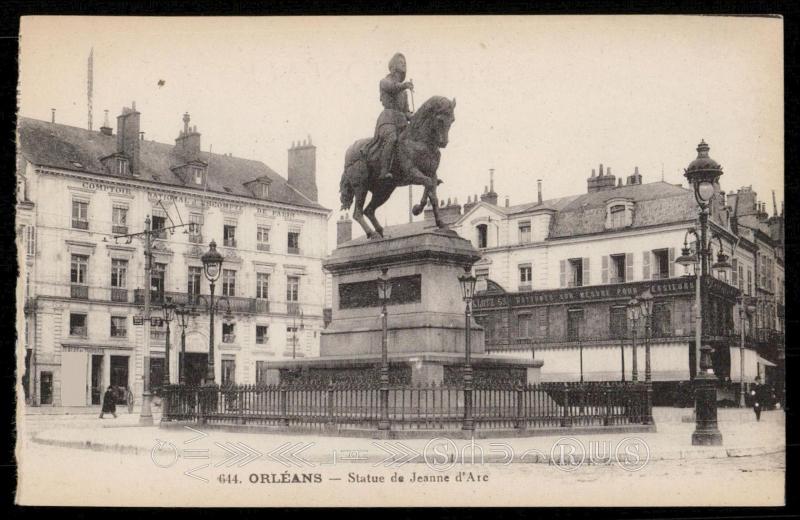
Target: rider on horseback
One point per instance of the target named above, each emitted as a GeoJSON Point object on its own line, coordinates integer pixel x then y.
{"type": "Point", "coordinates": [395, 115]}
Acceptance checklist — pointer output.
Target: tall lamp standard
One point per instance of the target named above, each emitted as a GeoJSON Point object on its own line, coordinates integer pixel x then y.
{"type": "Point", "coordinates": [212, 267]}
{"type": "Point", "coordinates": [703, 175]}
{"type": "Point", "coordinates": [646, 302]}
{"type": "Point", "coordinates": [744, 310]}
{"type": "Point", "coordinates": [384, 293]}
{"type": "Point", "coordinates": [183, 313]}
{"type": "Point", "coordinates": [468, 291]}
{"type": "Point", "coordinates": [169, 314]}
{"type": "Point", "coordinates": [634, 310]}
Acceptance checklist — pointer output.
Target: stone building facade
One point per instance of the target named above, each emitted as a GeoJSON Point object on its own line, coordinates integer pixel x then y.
{"type": "Point", "coordinates": [83, 289]}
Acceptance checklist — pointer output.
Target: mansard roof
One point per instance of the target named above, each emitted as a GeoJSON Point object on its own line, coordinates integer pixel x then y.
{"type": "Point", "coordinates": [77, 149]}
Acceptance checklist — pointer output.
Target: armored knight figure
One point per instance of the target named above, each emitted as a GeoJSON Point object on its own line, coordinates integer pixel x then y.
{"type": "Point", "coordinates": [395, 115]}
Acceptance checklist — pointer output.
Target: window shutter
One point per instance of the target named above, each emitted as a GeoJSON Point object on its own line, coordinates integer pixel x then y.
{"type": "Point", "coordinates": [646, 265]}
{"type": "Point", "coordinates": [605, 269]}
{"type": "Point", "coordinates": [563, 273]}
{"type": "Point", "coordinates": [671, 262]}
{"type": "Point", "coordinates": [628, 267]}
{"type": "Point", "coordinates": [585, 273]}
{"type": "Point", "coordinates": [735, 272]}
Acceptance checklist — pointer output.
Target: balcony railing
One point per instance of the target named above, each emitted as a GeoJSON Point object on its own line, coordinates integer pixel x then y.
{"type": "Point", "coordinates": [229, 338]}
{"type": "Point", "coordinates": [119, 295]}
{"type": "Point", "coordinates": [263, 247]}
{"type": "Point", "coordinates": [158, 335]}
{"type": "Point", "coordinates": [292, 308]}
{"type": "Point", "coordinates": [80, 224]}
{"type": "Point", "coordinates": [119, 333]}
{"type": "Point", "coordinates": [616, 279]}
{"type": "Point", "coordinates": [238, 304]}
{"type": "Point", "coordinates": [262, 340]}
{"type": "Point", "coordinates": [293, 250]}
{"type": "Point", "coordinates": [196, 239]}
{"type": "Point", "coordinates": [229, 242]}
{"type": "Point", "coordinates": [262, 306]}
{"type": "Point", "coordinates": [80, 292]}
{"type": "Point", "coordinates": [119, 230]}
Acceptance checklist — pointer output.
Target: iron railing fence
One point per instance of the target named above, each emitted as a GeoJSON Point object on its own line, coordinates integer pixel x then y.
{"type": "Point", "coordinates": [358, 405]}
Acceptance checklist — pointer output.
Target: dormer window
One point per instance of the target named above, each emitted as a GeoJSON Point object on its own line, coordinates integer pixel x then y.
{"type": "Point", "coordinates": [619, 214]}
{"type": "Point", "coordinates": [197, 175]}
{"type": "Point", "coordinates": [122, 166]}
{"type": "Point", "coordinates": [263, 191]}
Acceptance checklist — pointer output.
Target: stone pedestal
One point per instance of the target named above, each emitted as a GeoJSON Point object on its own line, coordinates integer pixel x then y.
{"type": "Point", "coordinates": [425, 315]}
{"type": "Point", "coordinates": [426, 309]}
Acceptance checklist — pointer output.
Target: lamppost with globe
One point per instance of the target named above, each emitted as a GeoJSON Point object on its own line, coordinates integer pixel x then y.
{"type": "Point", "coordinates": [183, 313]}
{"type": "Point", "coordinates": [384, 284]}
{"type": "Point", "coordinates": [703, 175]}
{"type": "Point", "coordinates": [169, 313]}
{"type": "Point", "coordinates": [212, 267]}
{"type": "Point", "coordinates": [468, 291]}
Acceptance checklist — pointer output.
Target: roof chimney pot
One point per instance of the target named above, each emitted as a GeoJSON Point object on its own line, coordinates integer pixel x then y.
{"type": "Point", "coordinates": [539, 187]}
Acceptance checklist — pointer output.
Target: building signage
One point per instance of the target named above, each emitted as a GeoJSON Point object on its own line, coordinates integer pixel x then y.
{"type": "Point", "coordinates": [111, 188]}
{"type": "Point", "coordinates": [88, 350]}
{"type": "Point", "coordinates": [575, 294]}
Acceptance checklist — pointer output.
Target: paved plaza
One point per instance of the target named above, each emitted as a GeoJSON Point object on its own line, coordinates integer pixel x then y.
{"type": "Point", "coordinates": [142, 463]}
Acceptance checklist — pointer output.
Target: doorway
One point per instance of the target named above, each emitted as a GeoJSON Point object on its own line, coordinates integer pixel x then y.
{"type": "Point", "coordinates": [119, 376]}
{"type": "Point", "coordinates": [196, 368]}
{"type": "Point", "coordinates": [97, 378]}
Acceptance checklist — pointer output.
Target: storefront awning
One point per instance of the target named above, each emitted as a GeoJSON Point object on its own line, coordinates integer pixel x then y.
{"type": "Point", "coordinates": [766, 362]}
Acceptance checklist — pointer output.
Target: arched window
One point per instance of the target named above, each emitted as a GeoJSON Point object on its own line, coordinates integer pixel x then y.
{"type": "Point", "coordinates": [483, 235]}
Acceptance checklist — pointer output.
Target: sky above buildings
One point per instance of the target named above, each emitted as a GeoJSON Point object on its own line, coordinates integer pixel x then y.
{"type": "Point", "coordinates": [537, 97]}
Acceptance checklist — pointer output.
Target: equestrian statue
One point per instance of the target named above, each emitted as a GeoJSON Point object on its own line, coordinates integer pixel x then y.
{"type": "Point", "coordinates": [403, 151]}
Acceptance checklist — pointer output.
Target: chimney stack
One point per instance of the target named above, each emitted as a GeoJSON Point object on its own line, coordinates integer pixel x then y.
{"type": "Point", "coordinates": [507, 201]}
{"type": "Point", "coordinates": [302, 169]}
{"type": "Point", "coordinates": [187, 144]}
{"type": "Point", "coordinates": [448, 210]}
{"type": "Point", "coordinates": [601, 182]}
{"type": "Point", "coordinates": [636, 178]}
{"type": "Point", "coordinates": [344, 230]}
{"type": "Point", "coordinates": [471, 202]}
{"type": "Point", "coordinates": [490, 196]}
{"type": "Point", "coordinates": [105, 129]}
{"type": "Point", "coordinates": [539, 188]}
{"type": "Point", "coordinates": [128, 136]}
{"type": "Point", "coordinates": [53, 115]}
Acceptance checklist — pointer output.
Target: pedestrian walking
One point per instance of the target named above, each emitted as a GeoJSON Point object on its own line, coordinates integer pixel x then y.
{"type": "Point", "coordinates": [109, 403]}
{"type": "Point", "coordinates": [757, 398]}
{"type": "Point", "coordinates": [129, 399]}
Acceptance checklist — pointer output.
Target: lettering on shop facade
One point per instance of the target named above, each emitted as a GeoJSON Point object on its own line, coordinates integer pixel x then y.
{"type": "Point", "coordinates": [664, 287]}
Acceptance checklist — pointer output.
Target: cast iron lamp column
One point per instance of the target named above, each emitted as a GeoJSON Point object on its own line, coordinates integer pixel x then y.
{"type": "Point", "coordinates": [744, 310]}
{"type": "Point", "coordinates": [169, 314]}
{"type": "Point", "coordinates": [646, 299]}
{"type": "Point", "coordinates": [703, 175]}
{"type": "Point", "coordinates": [212, 267]}
{"type": "Point", "coordinates": [183, 313]}
{"type": "Point", "coordinates": [384, 293]}
{"type": "Point", "coordinates": [633, 316]}
{"type": "Point", "coordinates": [468, 291]}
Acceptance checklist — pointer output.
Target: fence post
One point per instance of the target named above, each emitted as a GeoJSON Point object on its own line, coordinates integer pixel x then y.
{"type": "Point", "coordinates": [329, 406]}
{"type": "Point", "coordinates": [520, 408]}
{"type": "Point", "coordinates": [566, 422]}
{"type": "Point", "coordinates": [608, 388]}
{"type": "Point", "coordinates": [240, 392]}
{"type": "Point", "coordinates": [284, 406]}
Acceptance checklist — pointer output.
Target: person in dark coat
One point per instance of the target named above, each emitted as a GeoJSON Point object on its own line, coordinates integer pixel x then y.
{"type": "Point", "coordinates": [109, 403]}
{"type": "Point", "coordinates": [757, 397]}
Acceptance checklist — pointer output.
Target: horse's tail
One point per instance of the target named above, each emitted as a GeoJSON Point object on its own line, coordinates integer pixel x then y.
{"type": "Point", "coordinates": [346, 192]}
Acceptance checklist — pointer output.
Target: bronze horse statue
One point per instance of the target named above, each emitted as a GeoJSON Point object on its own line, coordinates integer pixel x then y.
{"type": "Point", "coordinates": [416, 161]}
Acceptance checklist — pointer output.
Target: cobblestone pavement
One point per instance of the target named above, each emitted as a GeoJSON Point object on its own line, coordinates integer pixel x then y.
{"type": "Point", "coordinates": [54, 475]}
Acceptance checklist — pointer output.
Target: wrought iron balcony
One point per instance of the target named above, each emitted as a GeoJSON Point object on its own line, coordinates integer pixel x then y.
{"type": "Point", "coordinates": [79, 292]}
{"type": "Point", "coordinates": [78, 330]}
{"type": "Point", "coordinates": [262, 247]}
{"type": "Point", "coordinates": [292, 308]}
{"type": "Point", "coordinates": [229, 338]}
{"type": "Point", "coordinates": [119, 333]}
{"type": "Point", "coordinates": [119, 295]}
{"type": "Point", "coordinates": [237, 304]}
{"type": "Point", "coordinates": [158, 335]}
{"type": "Point", "coordinates": [195, 239]}
{"type": "Point", "coordinates": [293, 250]}
{"type": "Point", "coordinates": [80, 224]}
{"type": "Point", "coordinates": [119, 230]}
{"type": "Point", "coordinates": [229, 242]}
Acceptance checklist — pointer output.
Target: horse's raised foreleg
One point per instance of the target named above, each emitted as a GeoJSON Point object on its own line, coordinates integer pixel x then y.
{"type": "Point", "coordinates": [378, 198]}
{"type": "Point", "coordinates": [417, 209]}
{"type": "Point", "coordinates": [358, 211]}
{"type": "Point", "coordinates": [434, 200]}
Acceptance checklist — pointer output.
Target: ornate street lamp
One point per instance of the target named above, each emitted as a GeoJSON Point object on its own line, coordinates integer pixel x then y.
{"type": "Point", "coordinates": [468, 292]}
{"type": "Point", "coordinates": [703, 175]}
{"type": "Point", "coordinates": [646, 306]}
{"type": "Point", "coordinates": [183, 313]}
{"type": "Point", "coordinates": [744, 310]}
{"type": "Point", "coordinates": [212, 267]}
{"type": "Point", "coordinates": [384, 284]}
{"type": "Point", "coordinates": [634, 311]}
{"type": "Point", "coordinates": [169, 314]}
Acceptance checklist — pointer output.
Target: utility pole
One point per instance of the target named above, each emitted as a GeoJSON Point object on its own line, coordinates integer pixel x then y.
{"type": "Point", "coordinates": [146, 415]}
